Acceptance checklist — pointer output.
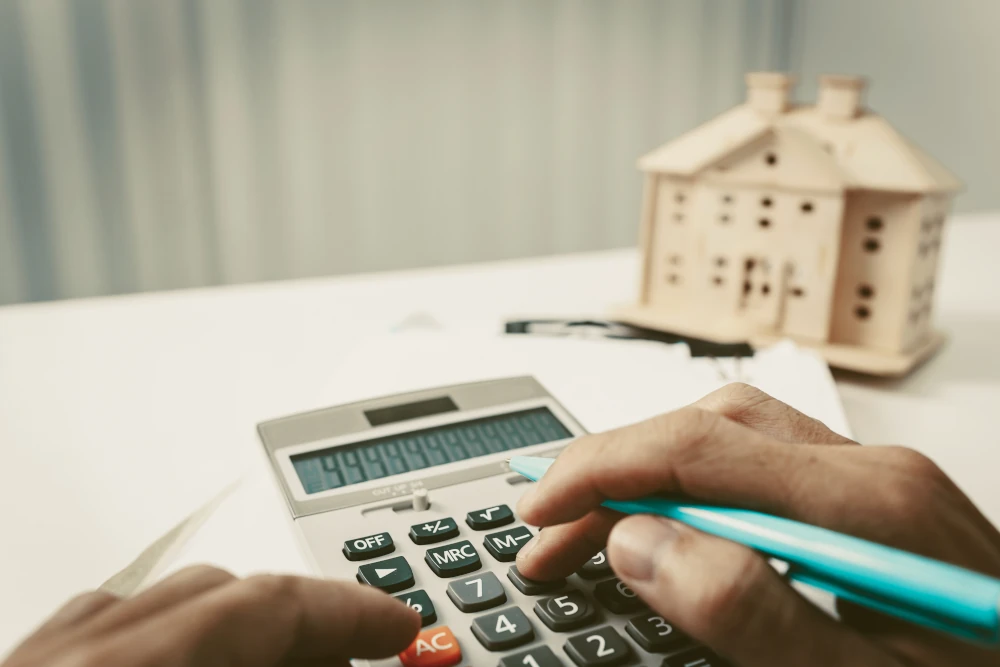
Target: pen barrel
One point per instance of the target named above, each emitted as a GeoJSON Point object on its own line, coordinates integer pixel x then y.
{"type": "Point", "coordinates": [904, 584]}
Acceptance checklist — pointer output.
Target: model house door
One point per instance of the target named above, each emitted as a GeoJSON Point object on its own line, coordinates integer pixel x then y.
{"type": "Point", "coordinates": [760, 302]}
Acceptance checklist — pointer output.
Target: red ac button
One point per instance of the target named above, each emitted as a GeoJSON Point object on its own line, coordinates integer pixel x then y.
{"type": "Point", "coordinates": [435, 647]}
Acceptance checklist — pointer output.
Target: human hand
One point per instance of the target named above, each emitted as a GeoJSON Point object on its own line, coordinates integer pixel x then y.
{"type": "Point", "coordinates": [202, 616]}
{"type": "Point", "coordinates": [740, 447]}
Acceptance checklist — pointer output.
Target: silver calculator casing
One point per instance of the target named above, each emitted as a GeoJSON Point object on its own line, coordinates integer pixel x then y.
{"type": "Point", "coordinates": [324, 521]}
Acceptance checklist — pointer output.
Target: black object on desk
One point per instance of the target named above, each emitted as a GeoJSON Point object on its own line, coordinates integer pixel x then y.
{"type": "Point", "coordinates": [618, 330]}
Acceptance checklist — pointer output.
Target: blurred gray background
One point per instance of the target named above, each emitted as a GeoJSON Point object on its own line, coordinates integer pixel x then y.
{"type": "Point", "coordinates": [160, 144]}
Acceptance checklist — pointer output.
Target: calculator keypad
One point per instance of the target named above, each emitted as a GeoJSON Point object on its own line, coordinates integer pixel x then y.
{"type": "Point", "coordinates": [566, 612]}
{"type": "Point", "coordinates": [618, 598]}
{"type": "Point", "coordinates": [420, 602]}
{"type": "Point", "coordinates": [452, 560]}
{"type": "Point", "coordinates": [504, 545]}
{"type": "Point", "coordinates": [390, 575]}
{"type": "Point", "coordinates": [530, 586]}
{"type": "Point", "coordinates": [478, 592]}
{"type": "Point", "coordinates": [432, 532]}
{"type": "Point", "coordinates": [475, 588]}
{"type": "Point", "coordinates": [655, 634]}
{"type": "Point", "coordinates": [489, 517]}
{"type": "Point", "coordinates": [504, 629]}
{"type": "Point", "coordinates": [600, 647]}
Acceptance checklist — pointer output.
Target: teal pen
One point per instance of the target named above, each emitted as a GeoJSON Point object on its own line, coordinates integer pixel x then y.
{"type": "Point", "coordinates": [921, 590]}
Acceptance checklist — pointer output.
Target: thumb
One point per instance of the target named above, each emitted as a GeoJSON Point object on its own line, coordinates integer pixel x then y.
{"type": "Point", "coordinates": [729, 598]}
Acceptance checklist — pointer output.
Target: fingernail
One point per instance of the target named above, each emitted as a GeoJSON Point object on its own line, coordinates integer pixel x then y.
{"type": "Point", "coordinates": [527, 498]}
{"type": "Point", "coordinates": [636, 544]}
{"type": "Point", "coordinates": [529, 545]}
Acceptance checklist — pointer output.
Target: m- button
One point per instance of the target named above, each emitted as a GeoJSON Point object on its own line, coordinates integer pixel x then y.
{"type": "Point", "coordinates": [373, 546]}
{"type": "Point", "coordinates": [452, 560]}
{"type": "Point", "coordinates": [436, 647]}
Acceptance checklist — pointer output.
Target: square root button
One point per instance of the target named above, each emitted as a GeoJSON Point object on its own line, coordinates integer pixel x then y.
{"type": "Point", "coordinates": [451, 560]}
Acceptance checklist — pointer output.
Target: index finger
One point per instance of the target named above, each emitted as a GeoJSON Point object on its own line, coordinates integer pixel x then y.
{"type": "Point", "coordinates": [263, 620]}
{"type": "Point", "coordinates": [690, 452]}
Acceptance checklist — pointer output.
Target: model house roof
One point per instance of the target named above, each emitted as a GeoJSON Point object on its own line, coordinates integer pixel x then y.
{"type": "Point", "coordinates": [862, 148]}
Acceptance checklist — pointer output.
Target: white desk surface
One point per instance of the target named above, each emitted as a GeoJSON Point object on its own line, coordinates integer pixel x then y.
{"type": "Point", "coordinates": [92, 391]}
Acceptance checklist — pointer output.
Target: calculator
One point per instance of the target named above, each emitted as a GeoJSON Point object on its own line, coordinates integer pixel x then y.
{"type": "Point", "coordinates": [410, 494]}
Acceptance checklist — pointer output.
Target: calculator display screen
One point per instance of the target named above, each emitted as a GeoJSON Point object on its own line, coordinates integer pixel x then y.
{"type": "Point", "coordinates": [358, 462]}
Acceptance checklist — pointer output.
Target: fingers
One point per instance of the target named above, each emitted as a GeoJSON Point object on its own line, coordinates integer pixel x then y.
{"type": "Point", "coordinates": [692, 452]}
{"type": "Point", "coordinates": [268, 620]}
{"type": "Point", "coordinates": [753, 408]}
{"type": "Point", "coordinates": [180, 587]}
{"type": "Point", "coordinates": [728, 598]}
{"type": "Point", "coordinates": [85, 605]}
{"type": "Point", "coordinates": [558, 551]}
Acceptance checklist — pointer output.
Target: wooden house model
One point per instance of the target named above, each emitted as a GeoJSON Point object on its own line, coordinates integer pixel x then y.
{"type": "Point", "coordinates": [817, 223]}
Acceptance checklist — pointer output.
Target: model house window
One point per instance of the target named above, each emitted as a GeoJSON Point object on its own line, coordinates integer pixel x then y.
{"type": "Point", "coordinates": [766, 202]}
{"type": "Point", "coordinates": [866, 291]}
{"type": "Point", "coordinates": [874, 223]}
{"type": "Point", "coordinates": [771, 159]}
{"type": "Point", "coordinates": [871, 245]}
{"type": "Point", "coordinates": [764, 223]}
{"type": "Point", "coordinates": [862, 312]}
{"type": "Point", "coordinates": [807, 207]}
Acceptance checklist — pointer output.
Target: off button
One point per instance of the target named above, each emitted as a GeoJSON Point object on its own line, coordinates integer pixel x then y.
{"type": "Point", "coordinates": [373, 546]}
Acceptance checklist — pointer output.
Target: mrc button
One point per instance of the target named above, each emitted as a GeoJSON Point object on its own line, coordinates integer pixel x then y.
{"type": "Point", "coordinates": [452, 560]}
{"type": "Point", "coordinates": [373, 546]}
{"type": "Point", "coordinates": [389, 575]}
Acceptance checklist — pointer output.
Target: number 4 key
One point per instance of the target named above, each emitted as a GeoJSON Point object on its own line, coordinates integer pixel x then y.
{"type": "Point", "coordinates": [504, 629]}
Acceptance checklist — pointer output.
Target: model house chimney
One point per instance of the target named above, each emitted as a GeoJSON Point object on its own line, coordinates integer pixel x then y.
{"type": "Point", "coordinates": [840, 96]}
{"type": "Point", "coordinates": [767, 92]}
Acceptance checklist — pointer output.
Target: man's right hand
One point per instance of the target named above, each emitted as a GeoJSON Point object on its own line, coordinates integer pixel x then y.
{"type": "Point", "coordinates": [740, 447]}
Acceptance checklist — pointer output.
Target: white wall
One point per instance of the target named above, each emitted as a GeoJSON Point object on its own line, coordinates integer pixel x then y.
{"type": "Point", "coordinates": [152, 144]}
{"type": "Point", "coordinates": [935, 73]}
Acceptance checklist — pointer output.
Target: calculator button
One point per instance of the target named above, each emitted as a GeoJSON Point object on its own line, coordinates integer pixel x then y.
{"type": "Point", "coordinates": [597, 567]}
{"type": "Point", "coordinates": [478, 592]}
{"type": "Point", "coordinates": [437, 530]}
{"type": "Point", "coordinates": [655, 634]}
{"type": "Point", "coordinates": [566, 612]}
{"type": "Point", "coordinates": [530, 586]}
{"type": "Point", "coordinates": [489, 517]}
{"type": "Point", "coordinates": [373, 546]}
{"type": "Point", "coordinates": [421, 603]}
{"type": "Point", "coordinates": [542, 656]}
{"type": "Point", "coordinates": [697, 656]}
{"type": "Point", "coordinates": [504, 629]}
{"type": "Point", "coordinates": [601, 647]}
{"type": "Point", "coordinates": [390, 575]}
{"type": "Point", "coordinates": [505, 544]}
{"type": "Point", "coordinates": [617, 597]}
{"type": "Point", "coordinates": [436, 647]}
{"type": "Point", "coordinates": [452, 560]}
